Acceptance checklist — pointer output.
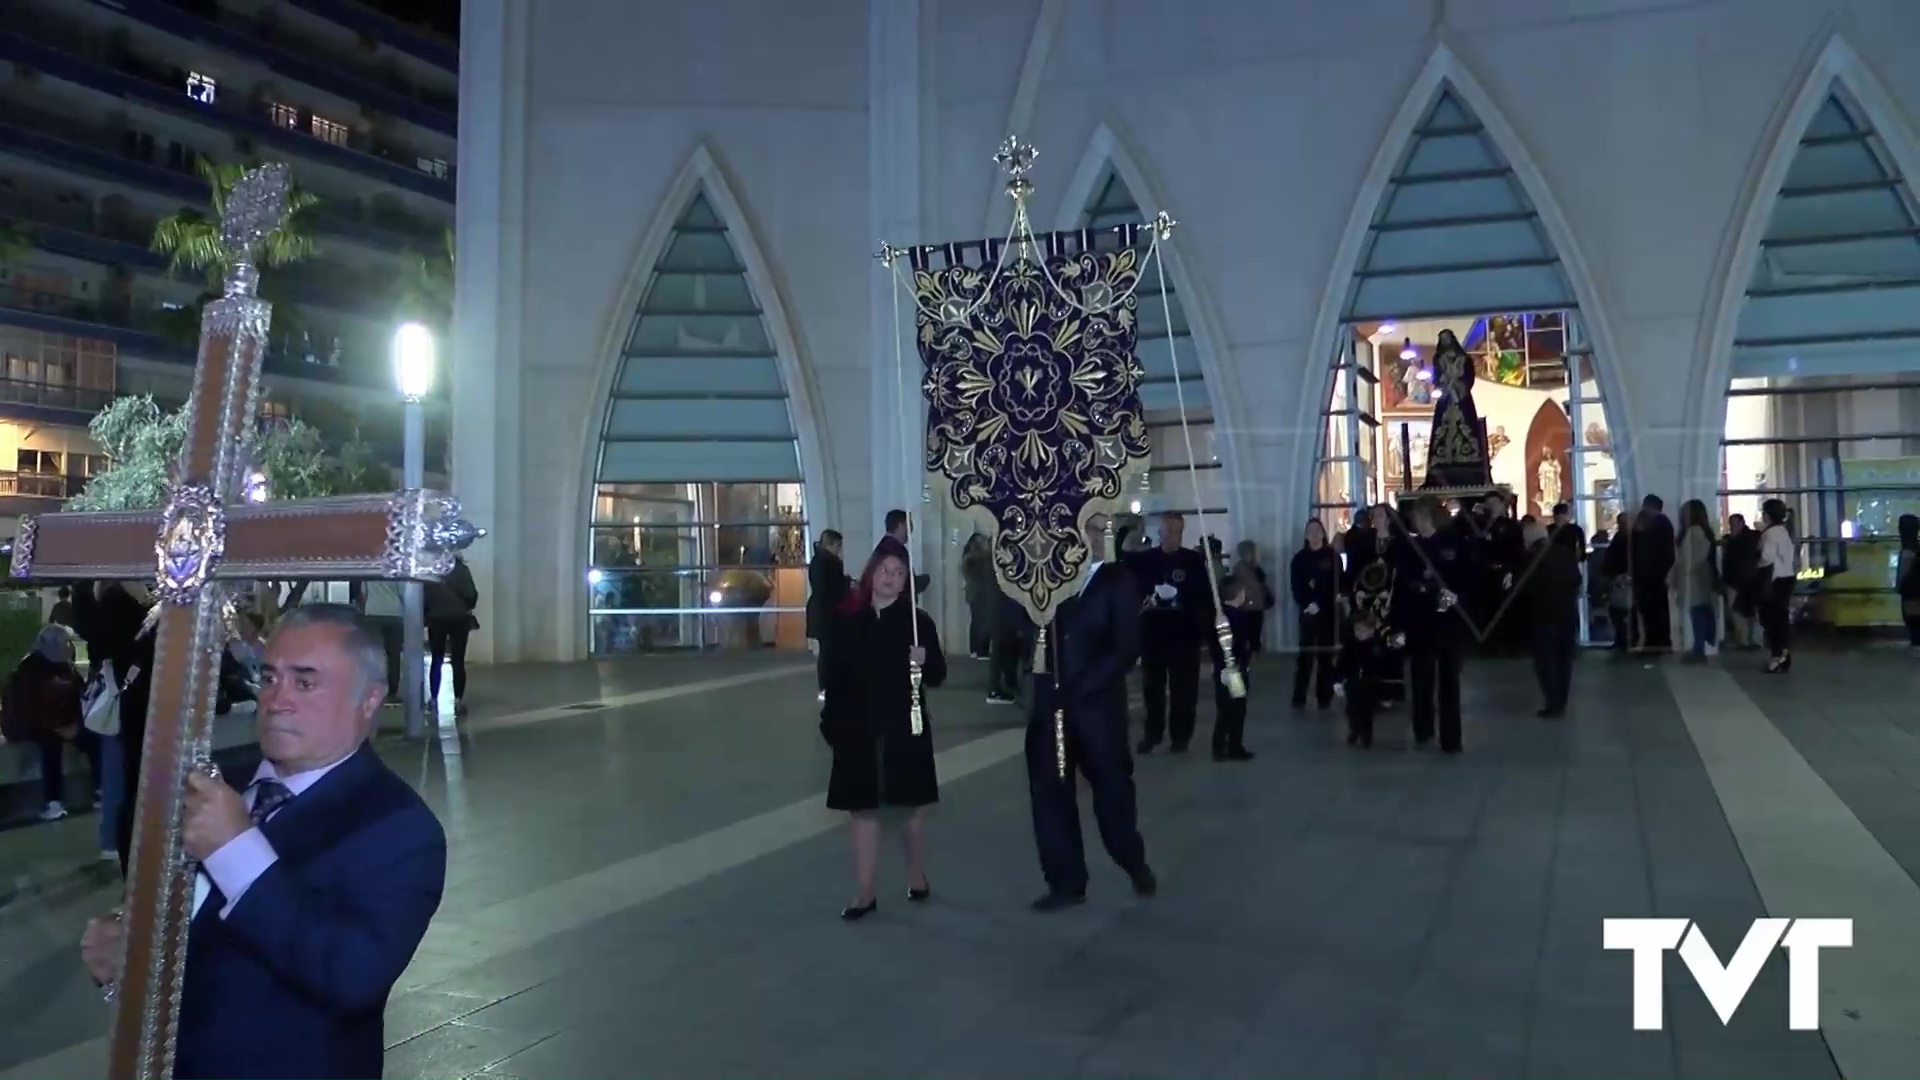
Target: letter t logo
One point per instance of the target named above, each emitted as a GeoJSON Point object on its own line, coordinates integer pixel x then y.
{"type": "Point", "coordinates": [1648, 940]}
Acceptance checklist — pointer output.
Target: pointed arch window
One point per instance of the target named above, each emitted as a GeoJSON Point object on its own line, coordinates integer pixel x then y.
{"type": "Point", "coordinates": [1823, 409]}
{"type": "Point", "coordinates": [699, 522]}
{"type": "Point", "coordinates": [1166, 337]}
{"type": "Point", "coordinates": [1456, 243]}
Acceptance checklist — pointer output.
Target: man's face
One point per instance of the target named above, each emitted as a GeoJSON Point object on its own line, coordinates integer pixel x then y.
{"type": "Point", "coordinates": [1095, 534]}
{"type": "Point", "coordinates": [1172, 531]}
{"type": "Point", "coordinates": [316, 707]}
{"type": "Point", "coordinates": [1561, 517]}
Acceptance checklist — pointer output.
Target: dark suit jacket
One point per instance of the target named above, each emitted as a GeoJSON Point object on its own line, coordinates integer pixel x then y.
{"type": "Point", "coordinates": [1093, 640]}
{"type": "Point", "coordinates": [294, 981]}
{"type": "Point", "coordinates": [1552, 590]}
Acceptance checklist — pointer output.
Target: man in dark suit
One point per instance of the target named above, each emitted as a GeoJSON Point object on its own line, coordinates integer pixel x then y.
{"type": "Point", "coordinates": [1176, 621]}
{"type": "Point", "coordinates": [1437, 568]}
{"type": "Point", "coordinates": [1092, 641]}
{"type": "Point", "coordinates": [896, 538]}
{"type": "Point", "coordinates": [317, 880]}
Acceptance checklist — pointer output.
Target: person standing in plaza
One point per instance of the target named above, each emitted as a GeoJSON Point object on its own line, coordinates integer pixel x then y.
{"type": "Point", "coordinates": [1092, 642]}
{"type": "Point", "coordinates": [1436, 568]}
{"type": "Point", "coordinates": [1315, 574]}
{"type": "Point", "coordinates": [1777, 570]}
{"type": "Point", "coordinates": [827, 586]}
{"type": "Point", "coordinates": [881, 767]}
{"type": "Point", "coordinates": [1177, 616]}
{"type": "Point", "coordinates": [450, 606]}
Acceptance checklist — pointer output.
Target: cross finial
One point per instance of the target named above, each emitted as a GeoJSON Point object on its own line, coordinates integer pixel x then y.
{"type": "Point", "coordinates": [253, 209]}
{"type": "Point", "coordinates": [1162, 225]}
{"type": "Point", "coordinates": [888, 253]}
{"type": "Point", "coordinates": [1015, 156]}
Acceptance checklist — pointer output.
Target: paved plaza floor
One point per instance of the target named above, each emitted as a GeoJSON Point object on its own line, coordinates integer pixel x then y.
{"type": "Point", "coordinates": [643, 881]}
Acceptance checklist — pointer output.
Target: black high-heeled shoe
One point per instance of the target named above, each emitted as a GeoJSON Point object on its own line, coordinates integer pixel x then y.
{"type": "Point", "coordinates": [856, 912]}
{"type": "Point", "coordinates": [920, 895]}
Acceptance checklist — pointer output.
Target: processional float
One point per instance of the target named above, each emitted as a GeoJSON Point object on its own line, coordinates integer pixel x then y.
{"type": "Point", "coordinates": [203, 537]}
{"type": "Point", "coordinates": [1034, 421]}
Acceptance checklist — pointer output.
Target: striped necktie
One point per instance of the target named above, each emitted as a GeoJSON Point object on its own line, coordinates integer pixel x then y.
{"type": "Point", "coordinates": [268, 795]}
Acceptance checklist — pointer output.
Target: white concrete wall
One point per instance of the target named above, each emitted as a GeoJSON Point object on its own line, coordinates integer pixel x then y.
{"type": "Point", "coordinates": [1639, 124]}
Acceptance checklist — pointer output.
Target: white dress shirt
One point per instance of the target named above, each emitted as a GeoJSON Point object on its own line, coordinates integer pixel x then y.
{"type": "Point", "coordinates": [1776, 552]}
{"type": "Point", "coordinates": [241, 860]}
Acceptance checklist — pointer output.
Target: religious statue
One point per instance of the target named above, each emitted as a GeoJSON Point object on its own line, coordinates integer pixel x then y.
{"type": "Point", "coordinates": [1457, 454]}
{"type": "Point", "coordinates": [1548, 476]}
{"type": "Point", "coordinates": [1497, 441]}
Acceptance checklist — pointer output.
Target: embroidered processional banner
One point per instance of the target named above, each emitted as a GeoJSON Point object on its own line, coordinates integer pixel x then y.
{"type": "Point", "coordinates": [1034, 421]}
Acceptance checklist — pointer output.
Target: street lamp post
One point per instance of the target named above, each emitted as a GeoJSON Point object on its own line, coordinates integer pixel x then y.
{"type": "Point", "coordinates": [413, 363]}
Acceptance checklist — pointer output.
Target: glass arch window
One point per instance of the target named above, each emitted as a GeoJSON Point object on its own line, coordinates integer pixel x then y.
{"type": "Point", "coordinates": [1164, 338]}
{"type": "Point", "coordinates": [1823, 411]}
{"type": "Point", "coordinates": [1457, 244]}
{"type": "Point", "coordinates": [699, 532]}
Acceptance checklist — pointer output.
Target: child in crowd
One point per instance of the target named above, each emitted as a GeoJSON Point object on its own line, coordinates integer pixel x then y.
{"type": "Point", "coordinates": [1358, 662]}
{"type": "Point", "coordinates": [1230, 713]}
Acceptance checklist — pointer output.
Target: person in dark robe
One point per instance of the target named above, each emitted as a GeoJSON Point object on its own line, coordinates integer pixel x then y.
{"type": "Point", "coordinates": [880, 765]}
{"type": "Point", "coordinates": [1092, 641]}
{"type": "Point", "coordinates": [109, 619]}
{"type": "Point", "coordinates": [1652, 551]}
{"type": "Point", "coordinates": [1229, 712]}
{"type": "Point", "coordinates": [1315, 575]}
{"type": "Point", "coordinates": [1503, 562]}
{"type": "Point", "coordinates": [1552, 597]}
{"type": "Point", "coordinates": [1616, 563]}
{"type": "Point", "coordinates": [1435, 569]}
{"type": "Point", "coordinates": [1253, 577]}
{"type": "Point", "coordinates": [1363, 588]}
{"type": "Point", "coordinates": [827, 586]}
{"type": "Point", "coordinates": [1563, 520]}
{"type": "Point", "coordinates": [1013, 633]}
{"type": "Point", "coordinates": [1177, 619]}
{"type": "Point", "coordinates": [1361, 657]}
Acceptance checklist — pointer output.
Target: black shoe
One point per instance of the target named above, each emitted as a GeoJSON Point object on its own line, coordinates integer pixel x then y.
{"type": "Point", "coordinates": [1450, 749]}
{"type": "Point", "coordinates": [1237, 753]}
{"type": "Point", "coordinates": [1058, 901]}
{"type": "Point", "coordinates": [920, 895]}
{"type": "Point", "coordinates": [1178, 748]}
{"type": "Point", "coordinates": [1299, 703]}
{"type": "Point", "coordinates": [1551, 714]}
{"type": "Point", "coordinates": [1326, 704]}
{"type": "Point", "coordinates": [1000, 699]}
{"type": "Point", "coordinates": [1353, 738]}
{"type": "Point", "coordinates": [1144, 883]}
{"type": "Point", "coordinates": [856, 912]}
{"type": "Point", "coordinates": [1145, 746]}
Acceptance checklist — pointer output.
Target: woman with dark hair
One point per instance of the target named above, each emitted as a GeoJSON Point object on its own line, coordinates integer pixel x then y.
{"type": "Point", "coordinates": [1316, 591]}
{"type": "Point", "coordinates": [1695, 578]}
{"type": "Point", "coordinates": [42, 706]}
{"type": "Point", "coordinates": [1617, 564]}
{"type": "Point", "coordinates": [976, 575]}
{"type": "Point", "coordinates": [880, 765]}
{"type": "Point", "coordinates": [826, 591]}
{"type": "Point", "coordinates": [1907, 578]}
{"type": "Point", "coordinates": [1777, 573]}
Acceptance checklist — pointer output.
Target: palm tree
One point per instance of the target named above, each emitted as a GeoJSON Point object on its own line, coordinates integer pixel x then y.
{"type": "Point", "coordinates": [426, 285]}
{"type": "Point", "coordinates": [191, 240]}
{"type": "Point", "coordinates": [15, 242]}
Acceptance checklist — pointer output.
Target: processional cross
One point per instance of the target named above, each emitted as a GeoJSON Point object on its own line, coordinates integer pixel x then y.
{"type": "Point", "coordinates": [187, 548]}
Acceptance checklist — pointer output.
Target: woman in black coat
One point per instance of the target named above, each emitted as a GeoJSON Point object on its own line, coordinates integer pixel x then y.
{"type": "Point", "coordinates": [826, 591]}
{"type": "Point", "coordinates": [1315, 574]}
{"type": "Point", "coordinates": [879, 763]}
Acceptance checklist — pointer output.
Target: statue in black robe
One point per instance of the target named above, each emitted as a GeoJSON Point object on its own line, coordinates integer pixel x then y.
{"type": "Point", "coordinates": [1457, 452]}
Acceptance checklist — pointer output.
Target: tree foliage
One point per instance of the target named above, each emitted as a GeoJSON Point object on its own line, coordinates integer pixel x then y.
{"type": "Point", "coordinates": [143, 442]}
{"type": "Point", "coordinates": [191, 240]}
{"type": "Point", "coordinates": [425, 286]}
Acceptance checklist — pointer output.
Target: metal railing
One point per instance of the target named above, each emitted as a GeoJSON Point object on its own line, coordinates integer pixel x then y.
{"type": "Point", "coordinates": [41, 485]}
{"type": "Point", "coordinates": [52, 396]}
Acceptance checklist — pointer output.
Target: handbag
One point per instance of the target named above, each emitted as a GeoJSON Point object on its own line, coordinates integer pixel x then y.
{"type": "Point", "coordinates": [100, 703]}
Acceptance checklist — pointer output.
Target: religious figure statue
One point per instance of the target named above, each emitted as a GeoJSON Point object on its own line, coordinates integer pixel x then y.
{"type": "Point", "coordinates": [1497, 441]}
{"type": "Point", "coordinates": [1548, 476]}
{"type": "Point", "coordinates": [1457, 454]}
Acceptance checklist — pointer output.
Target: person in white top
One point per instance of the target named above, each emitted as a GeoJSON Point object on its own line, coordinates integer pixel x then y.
{"type": "Point", "coordinates": [1777, 571]}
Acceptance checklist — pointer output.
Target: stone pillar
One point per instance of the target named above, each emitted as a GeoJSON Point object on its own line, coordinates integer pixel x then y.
{"type": "Point", "coordinates": [483, 363]}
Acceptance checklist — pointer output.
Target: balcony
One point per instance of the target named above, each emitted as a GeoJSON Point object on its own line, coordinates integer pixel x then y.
{"type": "Point", "coordinates": [303, 60]}
{"type": "Point", "coordinates": [39, 395]}
{"type": "Point", "coordinates": [155, 334]}
{"type": "Point", "coordinates": [74, 54]}
{"type": "Point", "coordinates": [40, 485]}
{"type": "Point", "coordinates": [419, 43]}
{"type": "Point", "coordinates": [125, 154]}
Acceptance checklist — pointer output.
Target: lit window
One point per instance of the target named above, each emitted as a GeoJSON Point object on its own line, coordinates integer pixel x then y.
{"type": "Point", "coordinates": [285, 115]}
{"type": "Point", "coordinates": [327, 131]}
{"type": "Point", "coordinates": [433, 167]}
{"type": "Point", "coordinates": [202, 88]}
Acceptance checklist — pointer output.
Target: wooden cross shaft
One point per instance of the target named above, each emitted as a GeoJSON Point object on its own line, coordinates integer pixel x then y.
{"type": "Point", "coordinates": [187, 548]}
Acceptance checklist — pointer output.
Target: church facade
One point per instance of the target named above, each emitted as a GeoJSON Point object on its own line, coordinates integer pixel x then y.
{"type": "Point", "coordinates": [668, 307]}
